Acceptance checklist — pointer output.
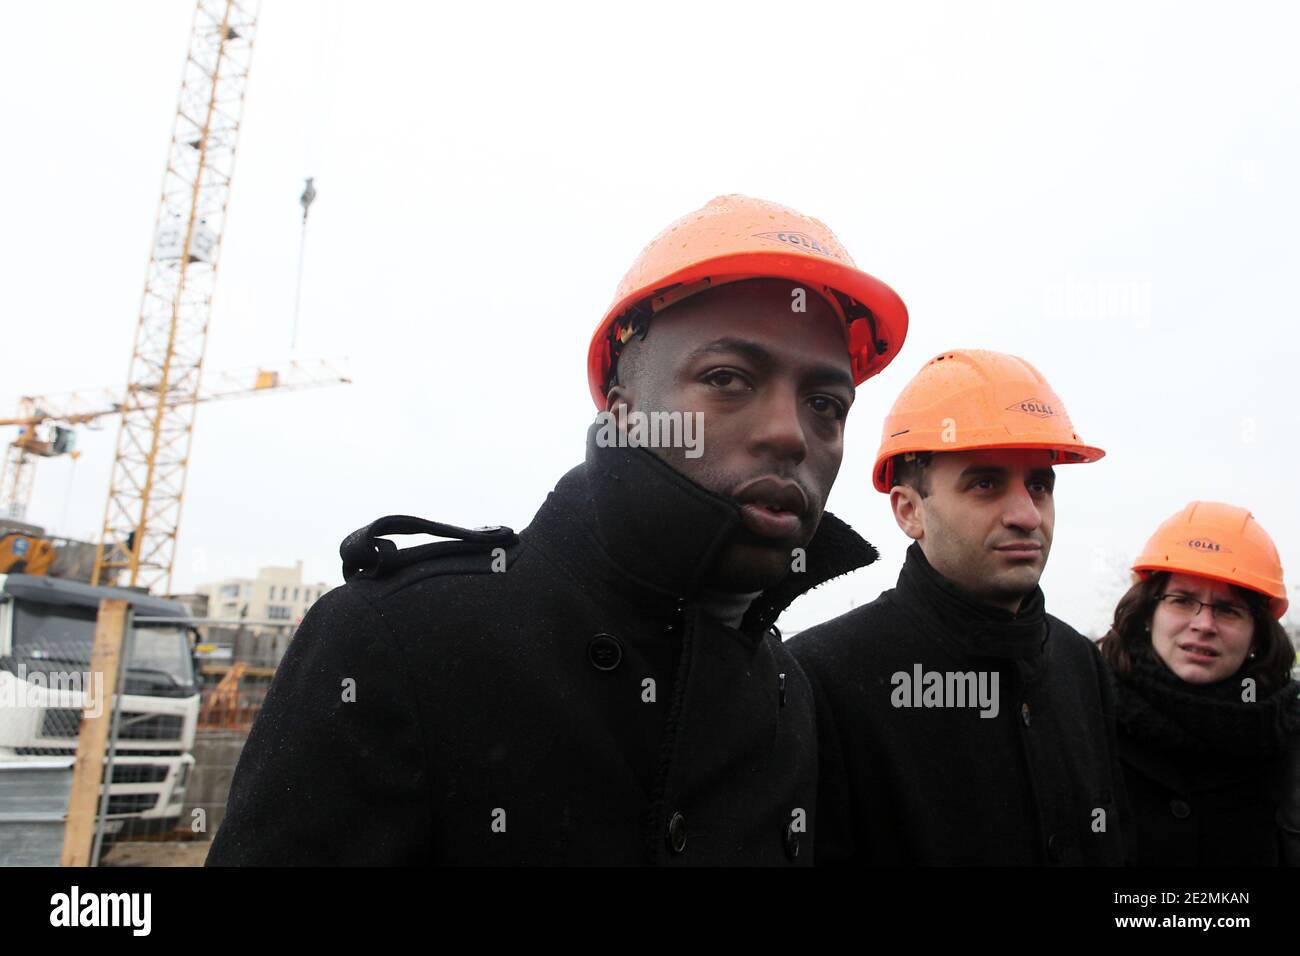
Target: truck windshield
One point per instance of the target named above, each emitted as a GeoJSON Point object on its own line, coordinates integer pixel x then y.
{"type": "Point", "coordinates": [163, 650]}
{"type": "Point", "coordinates": [63, 633]}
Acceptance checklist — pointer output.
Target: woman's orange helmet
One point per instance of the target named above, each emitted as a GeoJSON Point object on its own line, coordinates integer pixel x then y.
{"type": "Point", "coordinates": [736, 237]}
{"type": "Point", "coordinates": [1221, 542]}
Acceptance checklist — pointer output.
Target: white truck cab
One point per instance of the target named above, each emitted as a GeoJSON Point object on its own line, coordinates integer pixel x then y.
{"type": "Point", "coordinates": [47, 628]}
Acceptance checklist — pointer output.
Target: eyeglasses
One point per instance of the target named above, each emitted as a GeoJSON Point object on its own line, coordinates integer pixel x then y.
{"type": "Point", "coordinates": [1187, 606]}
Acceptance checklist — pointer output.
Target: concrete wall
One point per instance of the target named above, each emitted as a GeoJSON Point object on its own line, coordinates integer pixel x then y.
{"type": "Point", "coordinates": [215, 754]}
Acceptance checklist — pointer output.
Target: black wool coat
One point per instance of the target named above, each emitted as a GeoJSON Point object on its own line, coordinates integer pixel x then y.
{"type": "Point", "coordinates": [1038, 783]}
{"type": "Point", "coordinates": [555, 697]}
{"type": "Point", "coordinates": [1208, 773]}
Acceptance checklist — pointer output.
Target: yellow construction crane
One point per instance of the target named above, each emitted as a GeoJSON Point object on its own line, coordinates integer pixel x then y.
{"type": "Point", "coordinates": [142, 515]}
{"type": "Point", "coordinates": [46, 422]}
{"type": "Point", "coordinates": [164, 381]}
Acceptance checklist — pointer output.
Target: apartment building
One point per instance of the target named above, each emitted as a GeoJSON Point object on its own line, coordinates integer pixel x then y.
{"type": "Point", "coordinates": [276, 594]}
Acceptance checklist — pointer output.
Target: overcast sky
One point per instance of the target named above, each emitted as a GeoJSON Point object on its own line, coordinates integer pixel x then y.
{"type": "Point", "coordinates": [1108, 190]}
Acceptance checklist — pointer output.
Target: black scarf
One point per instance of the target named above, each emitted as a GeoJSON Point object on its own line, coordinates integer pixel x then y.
{"type": "Point", "coordinates": [965, 625]}
{"type": "Point", "coordinates": [1157, 706]}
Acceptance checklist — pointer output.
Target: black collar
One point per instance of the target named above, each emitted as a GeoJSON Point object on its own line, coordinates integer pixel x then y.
{"type": "Point", "coordinates": [966, 626]}
{"type": "Point", "coordinates": [628, 521]}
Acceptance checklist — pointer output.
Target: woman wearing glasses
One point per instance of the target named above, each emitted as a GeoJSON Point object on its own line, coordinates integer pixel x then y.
{"type": "Point", "coordinates": [1209, 718]}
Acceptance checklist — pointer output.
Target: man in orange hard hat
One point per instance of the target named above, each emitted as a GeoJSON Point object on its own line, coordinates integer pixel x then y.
{"type": "Point", "coordinates": [959, 722]}
{"type": "Point", "coordinates": [607, 686]}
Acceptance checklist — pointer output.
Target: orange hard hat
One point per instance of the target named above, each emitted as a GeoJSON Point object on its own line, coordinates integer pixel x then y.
{"type": "Point", "coordinates": [968, 398]}
{"type": "Point", "coordinates": [736, 237]}
{"type": "Point", "coordinates": [1218, 541]}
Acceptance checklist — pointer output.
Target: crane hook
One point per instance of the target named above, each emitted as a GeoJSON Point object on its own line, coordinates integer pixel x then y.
{"type": "Point", "coordinates": [307, 198]}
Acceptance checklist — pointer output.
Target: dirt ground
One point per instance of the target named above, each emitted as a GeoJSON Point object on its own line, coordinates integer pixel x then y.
{"type": "Point", "coordinates": [150, 853]}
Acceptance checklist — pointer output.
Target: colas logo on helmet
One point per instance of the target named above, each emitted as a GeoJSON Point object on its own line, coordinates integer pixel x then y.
{"type": "Point", "coordinates": [803, 241]}
{"type": "Point", "coordinates": [1032, 406]}
{"type": "Point", "coordinates": [1206, 545]}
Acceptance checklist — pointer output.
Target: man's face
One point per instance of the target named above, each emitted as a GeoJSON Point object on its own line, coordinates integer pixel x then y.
{"type": "Point", "coordinates": [986, 524]}
{"type": "Point", "coordinates": [773, 386]}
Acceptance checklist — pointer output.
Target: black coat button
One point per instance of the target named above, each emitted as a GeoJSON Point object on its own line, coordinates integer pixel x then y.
{"type": "Point", "coordinates": [791, 841]}
{"type": "Point", "coordinates": [677, 833]}
{"type": "Point", "coordinates": [1180, 809]}
{"type": "Point", "coordinates": [605, 652]}
{"type": "Point", "coordinates": [1024, 713]}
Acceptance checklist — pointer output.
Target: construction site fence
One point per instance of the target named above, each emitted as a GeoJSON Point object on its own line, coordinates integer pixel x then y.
{"type": "Point", "coordinates": [182, 712]}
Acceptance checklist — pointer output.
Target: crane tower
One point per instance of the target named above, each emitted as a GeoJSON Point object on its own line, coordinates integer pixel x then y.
{"type": "Point", "coordinates": [142, 516]}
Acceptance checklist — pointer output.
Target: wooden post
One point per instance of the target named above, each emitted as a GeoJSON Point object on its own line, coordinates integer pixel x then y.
{"type": "Point", "coordinates": [88, 771]}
